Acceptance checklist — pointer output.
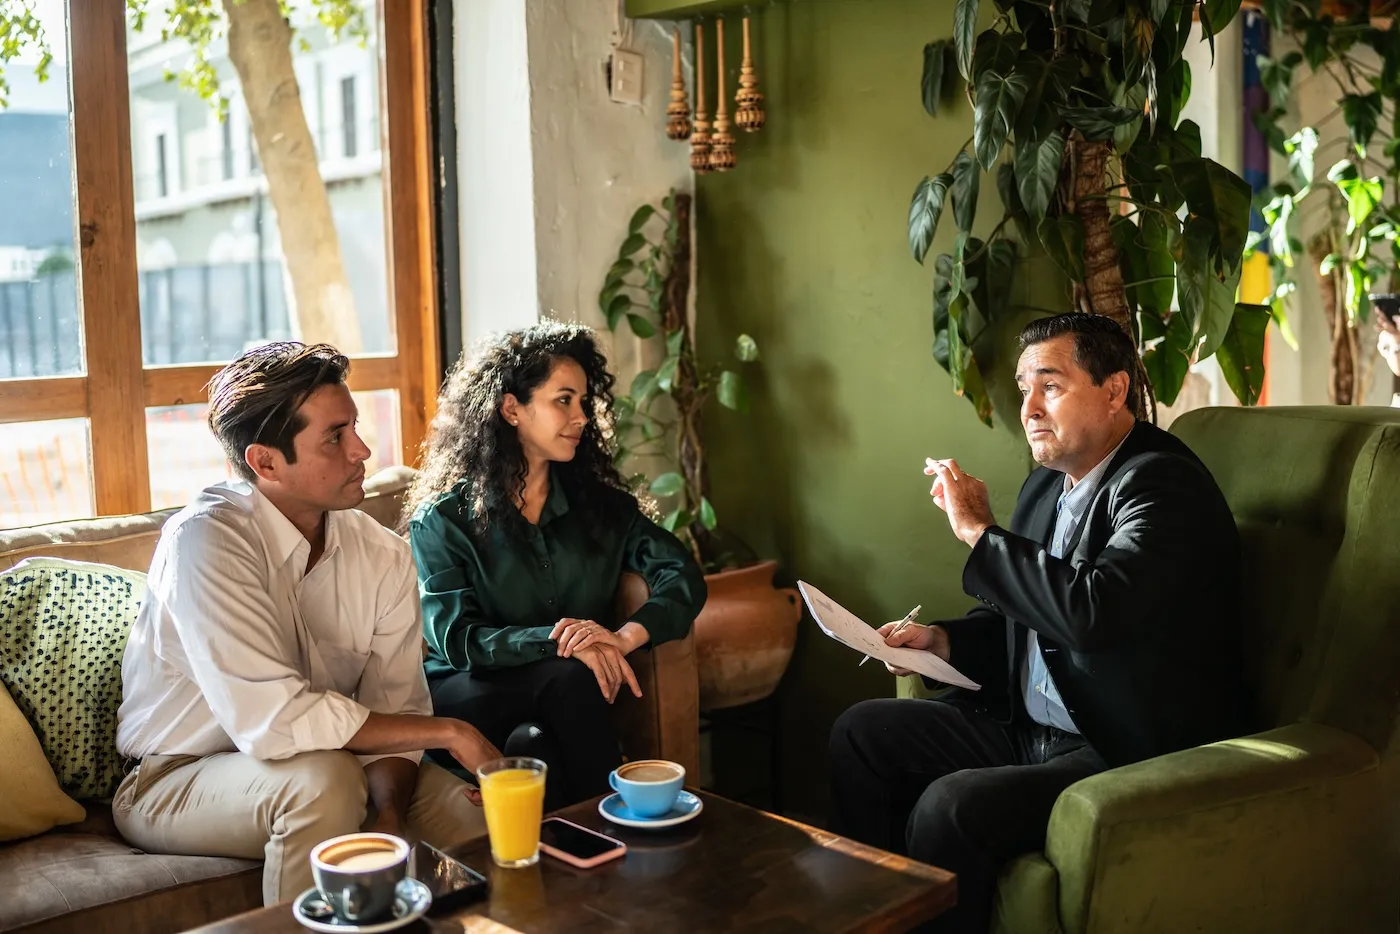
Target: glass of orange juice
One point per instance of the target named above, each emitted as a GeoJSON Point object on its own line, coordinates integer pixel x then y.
{"type": "Point", "coordinates": [512, 794]}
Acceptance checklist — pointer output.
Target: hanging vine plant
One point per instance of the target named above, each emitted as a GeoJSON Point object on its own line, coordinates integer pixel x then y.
{"type": "Point", "coordinates": [1076, 108]}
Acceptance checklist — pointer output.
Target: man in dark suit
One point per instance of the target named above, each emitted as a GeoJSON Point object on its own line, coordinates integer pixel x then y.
{"type": "Point", "coordinates": [1108, 630]}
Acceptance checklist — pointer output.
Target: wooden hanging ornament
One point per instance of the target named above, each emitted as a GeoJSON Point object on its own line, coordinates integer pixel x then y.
{"type": "Point", "coordinates": [678, 111]}
{"type": "Point", "coordinates": [748, 102]}
{"type": "Point", "coordinates": [700, 133]}
{"type": "Point", "coordinates": [722, 142]}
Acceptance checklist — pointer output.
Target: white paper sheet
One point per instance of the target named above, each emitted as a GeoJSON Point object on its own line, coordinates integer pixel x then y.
{"type": "Point", "coordinates": [846, 628]}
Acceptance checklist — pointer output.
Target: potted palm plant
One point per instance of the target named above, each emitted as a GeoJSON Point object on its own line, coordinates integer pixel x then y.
{"type": "Point", "coordinates": [745, 635]}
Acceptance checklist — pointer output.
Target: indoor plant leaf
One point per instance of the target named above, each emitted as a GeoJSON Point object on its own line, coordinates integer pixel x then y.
{"type": "Point", "coordinates": [1168, 360]}
{"type": "Point", "coordinates": [925, 208]}
{"type": "Point", "coordinates": [666, 373]}
{"type": "Point", "coordinates": [1217, 14]}
{"type": "Point", "coordinates": [1076, 11]}
{"type": "Point", "coordinates": [1158, 289]}
{"type": "Point", "coordinates": [1207, 299]}
{"type": "Point", "coordinates": [1166, 368]}
{"type": "Point", "coordinates": [618, 270]}
{"type": "Point", "coordinates": [964, 33]}
{"type": "Point", "coordinates": [1221, 198]}
{"type": "Point", "coordinates": [967, 181]}
{"type": "Point", "coordinates": [1241, 354]}
{"type": "Point", "coordinates": [677, 519]}
{"type": "Point", "coordinates": [1011, 199]}
{"type": "Point", "coordinates": [935, 67]}
{"type": "Point", "coordinates": [1300, 148]}
{"type": "Point", "coordinates": [707, 514]}
{"type": "Point", "coordinates": [1038, 172]}
{"type": "Point", "coordinates": [1048, 81]}
{"type": "Point", "coordinates": [942, 296]}
{"type": "Point", "coordinates": [632, 244]}
{"type": "Point", "coordinates": [975, 390]}
{"type": "Point", "coordinates": [1063, 239]}
{"type": "Point", "coordinates": [957, 349]}
{"type": "Point", "coordinates": [643, 384]}
{"type": "Point", "coordinates": [1098, 122]}
{"type": "Point", "coordinates": [640, 218]}
{"type": "Point", "coordinates": [746, 349]}
{"type": "Point", "coordinates": [1000, 260]}
{"type": "Point", "coordinates": [668, 484]}
{"type": "Point", "coordinates": [732, 392]}
{"type": "Point", "coordinates": [1362, 113]}
{"type": "Point", "coordinates": [641, 326]}
{"type": "Point", "coordinates": [995, 51]}
{"type": "Point", "coordinates": [616, 308]}
{"type": "Point", "coordinates": [998, 99]}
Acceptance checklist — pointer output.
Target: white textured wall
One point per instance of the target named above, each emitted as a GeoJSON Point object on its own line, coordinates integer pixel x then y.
{"type": "Point", "coordinates": [550, 168]}
{"type": "Point", "coordinates": [495, 169]}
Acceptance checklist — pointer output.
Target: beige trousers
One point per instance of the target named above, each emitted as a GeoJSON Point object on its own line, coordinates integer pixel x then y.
{"type": "Point", "coordinates": [231, 804]}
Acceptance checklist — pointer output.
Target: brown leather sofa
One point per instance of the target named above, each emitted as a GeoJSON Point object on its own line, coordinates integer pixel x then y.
{"type": "Point", "coordinates": [84, 877]}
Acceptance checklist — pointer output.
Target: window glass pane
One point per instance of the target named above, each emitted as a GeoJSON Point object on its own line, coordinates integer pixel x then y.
{"type": "Point", "coordinates": [219, 269]}
{"type": "Point", "coordinates": [40, 333]}
{"type": "Point", "coordinates": [185, 458]}
{"type": "Point", "coordinates": [45, 472]}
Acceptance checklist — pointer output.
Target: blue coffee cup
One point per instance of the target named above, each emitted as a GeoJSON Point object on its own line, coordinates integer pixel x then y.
{"type": "Point", "coordinates": [648, 787]}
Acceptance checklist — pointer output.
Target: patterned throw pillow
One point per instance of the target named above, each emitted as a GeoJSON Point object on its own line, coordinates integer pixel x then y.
{"type": "Point", "coordinates": [63, 626]}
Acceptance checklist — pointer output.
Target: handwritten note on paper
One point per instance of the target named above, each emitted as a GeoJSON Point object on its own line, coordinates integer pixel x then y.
{"type": "Point", "coordinates": [849, 630]}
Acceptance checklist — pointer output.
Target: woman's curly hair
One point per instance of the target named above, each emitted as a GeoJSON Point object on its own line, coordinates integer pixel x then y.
{"type": "Point", "coordinates": [470, 441]}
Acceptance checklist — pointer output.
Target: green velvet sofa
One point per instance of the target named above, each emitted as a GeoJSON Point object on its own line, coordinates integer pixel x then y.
{"type": "Point", "coordinates": [1296, 827]}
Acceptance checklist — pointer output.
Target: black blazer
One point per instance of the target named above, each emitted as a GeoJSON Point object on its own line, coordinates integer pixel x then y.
{"type": "Point", "coordinates": [1139, 623]}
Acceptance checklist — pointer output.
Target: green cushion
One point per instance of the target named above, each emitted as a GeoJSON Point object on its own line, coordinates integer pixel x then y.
{"type": "Point", "coordinates": [63, 626]}
{"type": "Point", "coordinates": [1028, 897]}
{"type": "Point", "coordinates": [1316, 495]}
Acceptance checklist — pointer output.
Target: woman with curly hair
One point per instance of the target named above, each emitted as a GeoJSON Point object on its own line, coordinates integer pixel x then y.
{"type": "Point", "coordinates": [521, 528]}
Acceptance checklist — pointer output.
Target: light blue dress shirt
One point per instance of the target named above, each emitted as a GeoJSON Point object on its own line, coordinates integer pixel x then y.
{"type": "Point", "coordinates": [1038, 688]}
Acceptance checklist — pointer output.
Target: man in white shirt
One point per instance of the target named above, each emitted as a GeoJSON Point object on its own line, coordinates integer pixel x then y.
{"type": "Point", "coordinates": [273, 685]}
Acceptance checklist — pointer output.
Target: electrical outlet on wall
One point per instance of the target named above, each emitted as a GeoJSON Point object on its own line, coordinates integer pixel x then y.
{"type": "Point", "coordinates": [626, 77]}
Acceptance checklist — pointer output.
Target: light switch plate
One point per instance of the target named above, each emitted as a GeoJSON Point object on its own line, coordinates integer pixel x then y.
{"type": "Point", "coordinates": [626, 77]}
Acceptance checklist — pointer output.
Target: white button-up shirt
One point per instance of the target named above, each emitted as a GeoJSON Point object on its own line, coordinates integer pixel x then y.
{"type": "Point", "coordinates": [239, 647]}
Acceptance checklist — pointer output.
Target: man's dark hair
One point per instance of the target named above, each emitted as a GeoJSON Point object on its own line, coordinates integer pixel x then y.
{"type": "Point", "coordinates": [256, 399]}
{"type": "Point", "coordinates": [1101, 347]}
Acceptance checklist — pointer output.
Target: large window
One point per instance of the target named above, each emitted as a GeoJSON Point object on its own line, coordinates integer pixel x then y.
{"type": "Point", "coordinates": [141, 246]}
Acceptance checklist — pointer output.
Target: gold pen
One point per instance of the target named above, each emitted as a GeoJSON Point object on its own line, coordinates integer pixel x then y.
{"type": "Point", "coordinates": [908, 618]}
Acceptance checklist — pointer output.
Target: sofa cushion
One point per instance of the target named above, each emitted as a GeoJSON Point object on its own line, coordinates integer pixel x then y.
{"type": "Point", "coordinates": [33, 801]}
{"type": "Point", "coordinates": [124, 541]}
{"type": "Point", "coordinates": [57, 874]}
{"type": "Point", "coordinates": [63, 626]}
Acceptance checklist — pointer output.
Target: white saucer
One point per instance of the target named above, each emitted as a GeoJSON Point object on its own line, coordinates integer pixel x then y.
{"type": "Point", "coordinates": [687, 807]}
{"type": "Point", "coordinates": [406, 910]}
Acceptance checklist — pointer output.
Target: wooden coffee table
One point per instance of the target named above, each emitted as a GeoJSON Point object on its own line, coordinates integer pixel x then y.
{"type": "Point", "coordinates": [731, 869]}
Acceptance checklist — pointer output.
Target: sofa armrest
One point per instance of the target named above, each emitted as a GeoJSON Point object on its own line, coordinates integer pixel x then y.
{"type": "Point", "coordinates": [664, 723]}
{"type": "Point", "coordinates": [1265, 832]}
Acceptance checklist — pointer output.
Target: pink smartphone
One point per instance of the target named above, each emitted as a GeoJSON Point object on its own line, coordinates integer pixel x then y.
{"type": "Point", "coordinates": [577, 845]}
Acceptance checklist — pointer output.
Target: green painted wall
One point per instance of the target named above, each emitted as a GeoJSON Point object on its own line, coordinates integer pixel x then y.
{"type": "Point", "coordinates": [804, 247]}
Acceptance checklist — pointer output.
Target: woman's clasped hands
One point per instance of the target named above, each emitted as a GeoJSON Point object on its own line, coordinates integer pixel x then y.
{"type": "Point", "coordinates": [602, 650]}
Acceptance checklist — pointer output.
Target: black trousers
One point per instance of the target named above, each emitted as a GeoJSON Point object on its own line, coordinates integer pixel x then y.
{"type": "Point", "coordinates": [950, 787]}
{"type": "Point", "coordinates": [551, 709]}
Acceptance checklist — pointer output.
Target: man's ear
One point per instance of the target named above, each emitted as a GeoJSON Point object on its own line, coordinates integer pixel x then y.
{"type": "Point", "coordinates": [264, 461]}
{"type": "Point", "coordinates": [510, 409]}
{"type": "Point", "coordinates": [1118, 384]}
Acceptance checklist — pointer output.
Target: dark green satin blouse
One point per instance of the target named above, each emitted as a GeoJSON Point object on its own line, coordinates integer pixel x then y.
{"type": "Point", "coordinates": [493, 605]}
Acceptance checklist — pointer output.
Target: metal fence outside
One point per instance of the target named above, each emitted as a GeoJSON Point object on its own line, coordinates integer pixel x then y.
{"type": "Point", "coordinates": [189, 314]}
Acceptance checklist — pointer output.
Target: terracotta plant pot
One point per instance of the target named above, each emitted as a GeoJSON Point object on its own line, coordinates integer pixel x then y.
{"type": "Point", "coordinates": [744, 636]}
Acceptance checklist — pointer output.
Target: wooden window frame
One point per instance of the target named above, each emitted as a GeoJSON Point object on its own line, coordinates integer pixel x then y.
{"type": "Point", "coordinates": [117, 388]}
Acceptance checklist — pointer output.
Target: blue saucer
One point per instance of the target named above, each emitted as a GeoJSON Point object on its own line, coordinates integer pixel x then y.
{"type": "Point", "coordinates": [687, 807]}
